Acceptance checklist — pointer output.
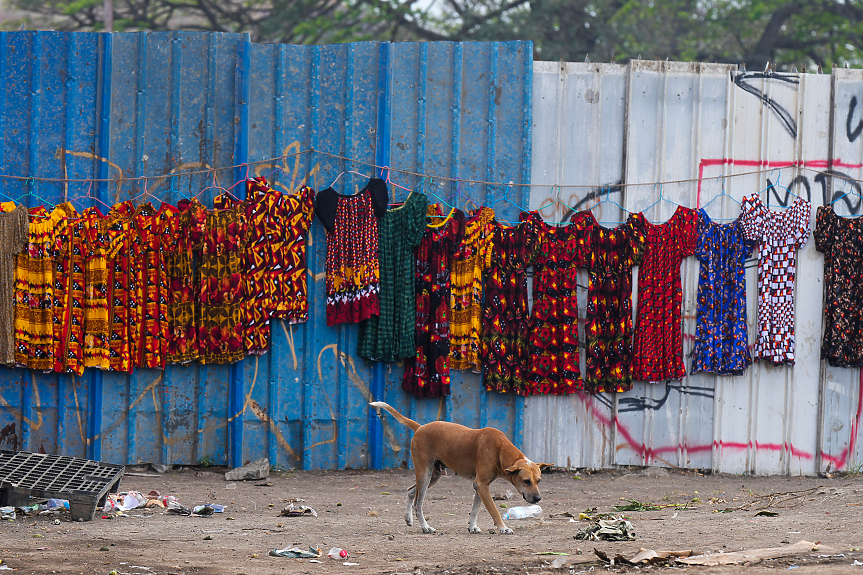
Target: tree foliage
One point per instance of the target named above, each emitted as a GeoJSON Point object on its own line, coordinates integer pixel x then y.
{"type": "Point", "coordinates": [782, 32]}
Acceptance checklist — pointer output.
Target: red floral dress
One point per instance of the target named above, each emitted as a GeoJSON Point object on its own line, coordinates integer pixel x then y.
{"type": "Point", "coordinates": [428, 374]}
{"type": "Point", "coordinates": [505, 350]}
{"type": "Point", "coordinates": [608, 327]}
{"type": "Point", "coordinates": [658, 353]}
{"type": "Point", "coordinates": [554, 347]}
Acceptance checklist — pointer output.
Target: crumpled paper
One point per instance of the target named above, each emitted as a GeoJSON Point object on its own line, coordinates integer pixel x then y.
{"type": "Point", "coordinates": [297, 553]}
{"type": "Point", "coordinates": [608, 530]}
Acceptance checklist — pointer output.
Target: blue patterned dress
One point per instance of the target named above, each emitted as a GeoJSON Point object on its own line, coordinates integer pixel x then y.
{"type": "Point", "coordinates": [721, 339]}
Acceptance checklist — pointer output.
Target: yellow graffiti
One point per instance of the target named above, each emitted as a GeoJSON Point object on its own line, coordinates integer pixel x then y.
{"type": "Point", "coordinates": [19, 414]}
{"type": "Point", "coordinates": [289, 334]}
{"type": "Point", "coordinates": [271, 425]}
{"type": "Point", "coordinates": [92, 156]}
{"type": "Point", "coordinates": [248, 395]}
{"type": "Point", "coordinates": [84, 439]}
{"type": "Point", "coordinates": [150, 389]}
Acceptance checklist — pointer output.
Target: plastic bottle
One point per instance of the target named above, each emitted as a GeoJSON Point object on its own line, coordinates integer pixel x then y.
{"type": "Point", "coordinates": [337, 553]}
{"type": "Point", "coordinates": [523, 512]}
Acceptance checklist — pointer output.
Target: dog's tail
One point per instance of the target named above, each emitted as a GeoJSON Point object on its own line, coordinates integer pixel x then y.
{"type": "Point", "coordinates": [399, 417]}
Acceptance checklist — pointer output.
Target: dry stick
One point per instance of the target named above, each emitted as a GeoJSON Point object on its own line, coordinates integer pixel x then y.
{"type": "Point", "coordinates": [772, 499]}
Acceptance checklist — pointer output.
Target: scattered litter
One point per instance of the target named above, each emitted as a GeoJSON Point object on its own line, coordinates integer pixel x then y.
{"type": "Point", "coordinates": [348, 564]}
{"type": "Point", "coordinates": [230, 486]}
{"type": "Point", "coordinates": [792, 567]}
{"type": "Point", "coordinates": [315, 561]}
{"type": "Point", "coordinates": [523, 512]}
{"type": "Point", "coordinates": [258, 469]}
{"type": "Point", "coordinates": [211, 530]}
{"type": "Point", "coordinates": [297, 553]}
{"type": "Point", "coordinates": [754, 556]}
{"type": "Point", "coordinates": [5, 568]}
{"type": "Point", "coordinates": [336, 553]}
{"type": "Point", "coordinates": [856, 563]}
{"type": "Point", "coordinates": [766, 514]}
{"type": "Point", "coordinates": [57, 504]}
{"type": "Point", "coordinates": [634, 505]}
{"type": "Point", "coordinates": [505, 496]}
{"type": "Point", "coordinates": [297, 510]}
{"type": "Point", "coordinates": [608, 530]}
{"type": "Point", "coordinates": [7, 513]}
{"type": "Point", "coordinates": [793, 532]}
{"type": "Point", "coordinates": [267, 484]}
{"type": "Point", "coordinates": [551, 553]}
{"type": "Point", "coordinates": [208, 538]}
{"type": "Point", "coordinates": [558, 563]}
{"type": "Point", "coordinates": [644, 557]}
{"type": "Point", "coordinates": [197, 511]}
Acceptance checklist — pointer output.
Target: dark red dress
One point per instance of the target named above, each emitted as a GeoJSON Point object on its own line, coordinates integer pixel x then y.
{"type": "Point", "coordinates": [505, 350]}
{"type": "Point", "coordinates": [658, 336]}
{"type": "Point", "coordinates": [608, 325]}
{"type": "Point", "coordinates": [427, 374]}
{"type": "Point", "coordinates": [554, 347]}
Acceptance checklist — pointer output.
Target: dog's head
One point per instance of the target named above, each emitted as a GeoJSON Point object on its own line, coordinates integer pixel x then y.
{"type": "Point", "coordinates": [525, 475]}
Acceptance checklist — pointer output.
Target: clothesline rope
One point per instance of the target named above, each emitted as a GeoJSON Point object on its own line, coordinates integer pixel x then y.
{"type": "Point", "coordinates": [210, 170]}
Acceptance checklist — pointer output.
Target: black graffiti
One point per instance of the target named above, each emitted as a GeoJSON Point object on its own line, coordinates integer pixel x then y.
{"type": "Point", "coordinates": [630, 404]}
{"type": "Point", "coordinates": [600, 193]}
{"type": "Point", "coordinates": [852, 196]}
{"type": "Point", "coordinates": [855, 133]}
{"type": "Point", "coordinates": [784, 115]}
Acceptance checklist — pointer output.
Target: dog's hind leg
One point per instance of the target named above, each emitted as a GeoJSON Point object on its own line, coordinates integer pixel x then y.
{"type": "Point", "coordinates": [424, 481]}
{"type": "Point", "coordinates": [409, 516]}
{"type": "Point", "coordinates": [474, 511]}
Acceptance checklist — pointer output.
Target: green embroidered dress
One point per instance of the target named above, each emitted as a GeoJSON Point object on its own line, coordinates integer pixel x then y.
{"type": "Point", "coordinates": [390, 336]}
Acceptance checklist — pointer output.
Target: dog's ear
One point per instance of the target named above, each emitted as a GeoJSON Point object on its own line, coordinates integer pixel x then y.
{"type": "Point", "coordinates": [543, 466]}
{"type": "Point", "coordinates": [512, 470]}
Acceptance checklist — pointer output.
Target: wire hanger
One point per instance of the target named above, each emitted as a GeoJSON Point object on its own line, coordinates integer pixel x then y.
{"type": "Point", "coordinates": [771, 185]}
{"type": "Point", "coordinates": [720, 195]}
{"type": "Point", "coordinates": [854, 191]}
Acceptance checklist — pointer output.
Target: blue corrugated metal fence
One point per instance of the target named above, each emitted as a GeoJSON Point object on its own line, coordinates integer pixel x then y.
{"type": "Point", "coordinates": [122, 106]}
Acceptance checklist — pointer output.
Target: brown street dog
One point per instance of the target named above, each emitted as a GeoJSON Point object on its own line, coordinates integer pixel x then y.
{"type": "Point", "coordinates": [482, 455]}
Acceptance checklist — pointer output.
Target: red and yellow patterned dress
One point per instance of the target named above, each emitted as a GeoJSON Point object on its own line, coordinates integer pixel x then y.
{"type": "Point", "coordinates": [97, 326]}
{"type": "Point", "coordinates": [222, 269]}
{"type": "Point", "coordinates": [69, 293]}
{"type": "Point", "coordinates": [293, 215]}
{"type": "Point", "coordinates": [122, 290]}
{"type": "Point", "coordinates": [554, 347]}
{"type": "Point", "coordinates": [34, 292]}
{"type": "Point", "coordinates": [154, 240]}
{"type": "Point", "coordinates": [185, 282]}
{"type": "Point", "coordinates": [427, 374]}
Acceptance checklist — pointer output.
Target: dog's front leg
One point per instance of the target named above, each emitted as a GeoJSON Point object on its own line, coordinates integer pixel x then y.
{"type": "Point", "coordinates": [485, 495]}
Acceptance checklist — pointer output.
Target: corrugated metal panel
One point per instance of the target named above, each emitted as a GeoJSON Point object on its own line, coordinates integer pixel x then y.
{"type": "Point", "coordinates": [129, 105]}
{"type": "Point", "coordinates": [682, 122]}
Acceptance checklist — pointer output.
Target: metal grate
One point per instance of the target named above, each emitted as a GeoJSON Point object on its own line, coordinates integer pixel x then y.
{"type": "Point", "coordinates": [83, 482]}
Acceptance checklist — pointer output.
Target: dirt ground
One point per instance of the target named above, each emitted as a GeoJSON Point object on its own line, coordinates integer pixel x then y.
{"type": "Point", "coordinates": [363, 512]}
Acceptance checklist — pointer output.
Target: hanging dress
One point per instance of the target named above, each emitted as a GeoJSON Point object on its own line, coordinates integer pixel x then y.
{"type": "Point", "coordinates": [778, 235]}
{"type": "Point", "coordinates": [221, 329]}
{"type": "Point", "coordinates": [505, 349]}
{"type": "Point", "coordinates": [69, 293]}
{"type": "Point", "coordinates": [353, 269]}
{"type": "Point", "coordinates": [14, 228]}
{"type": "Point", "coordinates": [427, 374]}
{"type": "Point", "coordinates": [554, 347]}
{"type": "Point", "coordinates": [122, 289]}
{"type": "Point", "coordinates": [608, 322]}
{"type": "Point", "coordinates": [185, 281]}
{"type": "Point", "coordinates": [154, 237]}
{"type": "Point", "coordinates": [34, 293]}
{"type": "Point", "coordinates": [841, 241]}
{"type": "Point", "coordinates": [392, 335]}
{"type": "Point", "coordinates": [97, 325]}
{"type": "Point", "coordinates": [292, 218]}
{"type": "Point", "coordinates": [721, 339]}
{"type": "Point", "coordinates": [658, 354]}
{"type": "Point", "coordinates": [467, 271]}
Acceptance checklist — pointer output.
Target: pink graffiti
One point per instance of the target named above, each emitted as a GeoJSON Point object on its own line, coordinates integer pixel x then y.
{"type": "Point", "coordinates": [767, 164]}
{"type": "Point", "coordinates": [649, 453]}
